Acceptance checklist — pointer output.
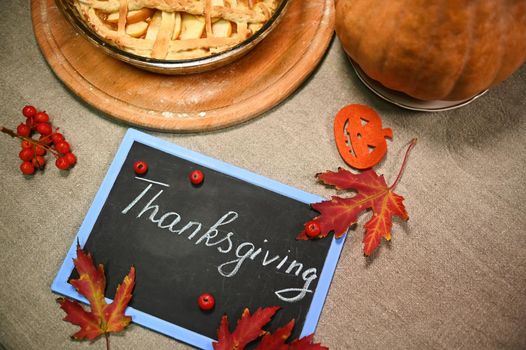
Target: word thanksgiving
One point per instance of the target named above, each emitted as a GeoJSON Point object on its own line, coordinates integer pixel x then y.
{"type": "Point", "coordinates": [222, 239]}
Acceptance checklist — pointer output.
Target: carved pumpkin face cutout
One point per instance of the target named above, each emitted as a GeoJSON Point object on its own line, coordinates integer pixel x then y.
{"type": "Point", "coordinates": [359, 136]}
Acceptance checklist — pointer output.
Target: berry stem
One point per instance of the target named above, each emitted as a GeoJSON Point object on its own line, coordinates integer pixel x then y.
{"type": "Point", "coordinates": [411, 145]}
{"type": "Point", "coordinates": [29, 139]}
{"type": "Point", "coordinates": [9, 132]}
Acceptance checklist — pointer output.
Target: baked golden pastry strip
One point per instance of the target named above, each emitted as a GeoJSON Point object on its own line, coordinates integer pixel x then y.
{"type": "Point", "coordinates": [175, 29]}
{"type": "Point", "coordinates": [260, 12]}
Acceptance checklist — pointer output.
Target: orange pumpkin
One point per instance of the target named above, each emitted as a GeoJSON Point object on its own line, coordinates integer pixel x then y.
{"type": "Point", "coordinates": [434, 49]}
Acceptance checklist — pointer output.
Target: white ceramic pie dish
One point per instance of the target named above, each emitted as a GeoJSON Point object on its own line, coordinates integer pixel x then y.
{"type": "Point", "coordinates": [186, 66]}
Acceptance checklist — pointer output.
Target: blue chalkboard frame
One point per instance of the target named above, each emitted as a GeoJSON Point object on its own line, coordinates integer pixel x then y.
{"type": "Point", "coordinates": [61, 286]}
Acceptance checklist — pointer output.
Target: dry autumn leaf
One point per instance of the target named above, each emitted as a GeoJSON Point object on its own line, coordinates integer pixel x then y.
{"type": "Point", "coordinates": [250, 328]}
{"type": "Point", "coordinates": [103, 318]}
{"type": "Point", "coordinates": [338, 214]}
{"type": "Point", "coordinates": [277, 339]}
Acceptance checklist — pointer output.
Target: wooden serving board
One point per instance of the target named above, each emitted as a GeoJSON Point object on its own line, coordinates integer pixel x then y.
{"type": "Point", "coordinates": [188, 103]}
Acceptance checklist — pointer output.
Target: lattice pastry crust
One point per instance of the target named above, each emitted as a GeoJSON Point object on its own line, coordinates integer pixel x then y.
{"type": "Point", "coordinates": [176, 29]}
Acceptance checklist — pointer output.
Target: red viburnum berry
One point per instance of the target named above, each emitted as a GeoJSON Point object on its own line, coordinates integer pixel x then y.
{"type": "Point", "coordinates": [44, 129]}
{"type": "Point", "coordinates": [27, 168]}
{"type": "Point", "coordinates": [26, 154]}
{"type": "Point", "coordinates": [62, 163]}
{"type": "Point", "coordinates": [23, 130]}
{"type": "Point", "coordinates": [41, 117]}
{"type": "Point", "coordinates": [29, 111]}
{"type": "Point", "coordinates": [71, 158]}
{"type": "Point", "coordinates": [62, 147]}
{"type": "Point", "coordinates": [39, 162]}
{"type": "Point", "coordinates": [57, 137]}
{"type": "Point", "coordinates": [40, 151]}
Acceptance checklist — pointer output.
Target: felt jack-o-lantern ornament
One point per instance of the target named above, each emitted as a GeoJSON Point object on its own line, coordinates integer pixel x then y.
{"type": "Point", "coordinates": [360, 137]}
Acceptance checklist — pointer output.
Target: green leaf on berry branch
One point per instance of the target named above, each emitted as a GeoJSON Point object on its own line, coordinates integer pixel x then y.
{"type": "Point", "coordinates": [338, 214]}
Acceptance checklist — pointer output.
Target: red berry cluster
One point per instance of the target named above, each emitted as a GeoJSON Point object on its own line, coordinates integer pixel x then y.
{"type": "Point", "coordinates": [33, 150]}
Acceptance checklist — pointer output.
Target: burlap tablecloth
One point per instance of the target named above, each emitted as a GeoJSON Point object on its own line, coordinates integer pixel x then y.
{"type": "Point", "coordinates": [453, 277]}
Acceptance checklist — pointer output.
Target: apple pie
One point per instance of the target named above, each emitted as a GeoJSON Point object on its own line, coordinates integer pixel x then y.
{"type": "Point", "coordinates": [176, 29]}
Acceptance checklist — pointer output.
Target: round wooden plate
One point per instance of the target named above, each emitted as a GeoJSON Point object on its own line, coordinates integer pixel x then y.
{"type": "Point", "coordinates": [198, 102]}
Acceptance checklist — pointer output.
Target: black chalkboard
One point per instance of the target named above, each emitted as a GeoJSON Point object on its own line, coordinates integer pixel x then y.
{"type": "Point", "coordinates": [185, 240]}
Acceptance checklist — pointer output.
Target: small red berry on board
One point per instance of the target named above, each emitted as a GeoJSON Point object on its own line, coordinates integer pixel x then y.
{"type": "Point", "coordinates": [50, 141]}
{"type": "Point", "coordinates": [206, 301]}
{"type": "Point", "coordinates": [140, 167]}
{"type": "Point", "coordinates": [197, 177]}
{"type": "Point", "coordinates": [312, 229]}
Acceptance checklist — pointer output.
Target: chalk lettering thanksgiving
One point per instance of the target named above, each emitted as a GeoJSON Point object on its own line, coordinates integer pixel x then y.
{"type": "Point", "coordinates": [219, 236]}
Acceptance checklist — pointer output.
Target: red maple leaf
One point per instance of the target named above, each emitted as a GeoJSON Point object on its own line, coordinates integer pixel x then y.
{"type": "Point", "coordinates": [277, 339]}
{"type": "Point", "coordinates": [338, 214]}
{"type": "Point", "coordinates": [250, 327]}
{"type": "Point", "coordinates": [103, 318]}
